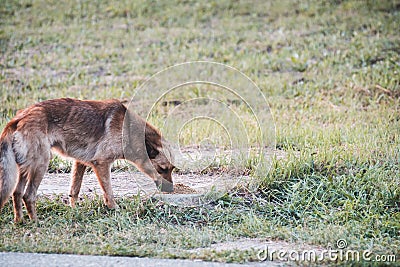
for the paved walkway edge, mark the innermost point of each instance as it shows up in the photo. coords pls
(17, 259)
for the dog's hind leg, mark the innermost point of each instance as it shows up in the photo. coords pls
(78, 170)
(17, 196)
(37, 166)
(35, 177)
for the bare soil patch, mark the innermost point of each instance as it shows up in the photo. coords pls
(259, 244)
(190, 188)
(183, 189)
(133, 183)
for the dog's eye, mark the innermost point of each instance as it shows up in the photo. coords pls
(163, 170)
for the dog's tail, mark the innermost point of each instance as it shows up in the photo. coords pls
(8, 166)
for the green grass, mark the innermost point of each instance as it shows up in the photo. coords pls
(329, 69)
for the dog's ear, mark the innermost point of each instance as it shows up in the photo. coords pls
(152, 141)
(152, 151)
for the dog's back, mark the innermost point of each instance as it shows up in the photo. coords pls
(79, 130)
(73, 128)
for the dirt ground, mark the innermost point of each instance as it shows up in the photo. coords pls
(191, 188)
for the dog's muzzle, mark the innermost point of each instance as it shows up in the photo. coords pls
(165, 186)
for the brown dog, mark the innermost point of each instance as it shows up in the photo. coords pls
(93, 133)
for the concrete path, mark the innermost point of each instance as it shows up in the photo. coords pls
(12, 259)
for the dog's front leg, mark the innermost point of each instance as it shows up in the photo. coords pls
(103, 173)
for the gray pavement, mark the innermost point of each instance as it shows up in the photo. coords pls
(11, 259)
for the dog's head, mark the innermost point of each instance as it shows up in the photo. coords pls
(160, 155)
(156, 149)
